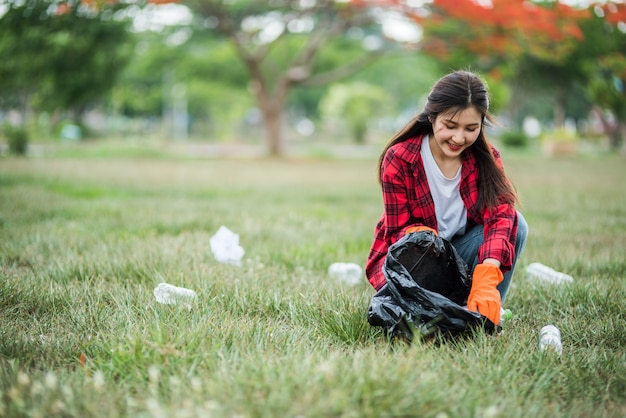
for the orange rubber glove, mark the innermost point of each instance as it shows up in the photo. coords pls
(419, 228)
(484, 297)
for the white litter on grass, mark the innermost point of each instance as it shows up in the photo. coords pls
(225, 246)
(542, 273)
(346, 273)
(169, 294)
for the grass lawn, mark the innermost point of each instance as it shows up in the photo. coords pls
(84, 241)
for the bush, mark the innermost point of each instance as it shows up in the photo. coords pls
(560, 135)
(17, 139)
(559, 143)
(517, 139)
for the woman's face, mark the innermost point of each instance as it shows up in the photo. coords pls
(454, 132)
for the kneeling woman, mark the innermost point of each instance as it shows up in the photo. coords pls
(441, 174)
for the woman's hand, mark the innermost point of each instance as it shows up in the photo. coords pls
(484, 297)
(419, 228)
(492, 261)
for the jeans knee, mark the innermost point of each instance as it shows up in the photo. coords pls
(522, 231)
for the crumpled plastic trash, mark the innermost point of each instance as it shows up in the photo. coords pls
(346, 273)
(426, 290)
(169, 294)
(225, 246)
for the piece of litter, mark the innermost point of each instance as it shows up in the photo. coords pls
(171, 295)
(225, 246)
(543, 273)
(347, 273)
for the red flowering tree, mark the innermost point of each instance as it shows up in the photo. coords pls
(488, 34)
(530, 44)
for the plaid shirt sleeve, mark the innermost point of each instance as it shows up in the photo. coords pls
(500, 223)
(407, 202)
(500, 234)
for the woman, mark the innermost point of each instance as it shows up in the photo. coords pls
(440, 174)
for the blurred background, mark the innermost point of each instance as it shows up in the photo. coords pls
(280, 75)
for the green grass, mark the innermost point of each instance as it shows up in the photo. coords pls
(84, 241)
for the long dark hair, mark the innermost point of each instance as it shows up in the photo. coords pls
(455, 92)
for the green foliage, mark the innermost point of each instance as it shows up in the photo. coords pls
(559, 135)
(82, 248)
(608, 91)
(213, 78)
(514, 139)
(23, 51)
(17, 139)
(62, 61)
(606, 88)
(407, 77)
(499, 94)
(355, 103)
(287, 44)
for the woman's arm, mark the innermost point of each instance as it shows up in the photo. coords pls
(400, 184)
(500, 226)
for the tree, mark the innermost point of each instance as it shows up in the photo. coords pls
(91, 50)
(607, 89)
(60, 55)
(515, 40)
(591, 72)
(494, 35)
(24, 53)
(355, 104)
(570, 56)
(281, 46)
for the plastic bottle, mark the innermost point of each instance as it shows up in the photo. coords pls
(550, 339)
(348, 273)
(171, 295)
(540, 272)
(505, 316)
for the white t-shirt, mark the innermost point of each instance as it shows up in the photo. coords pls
(449, 208)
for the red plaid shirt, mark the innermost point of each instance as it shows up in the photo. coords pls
(408, 202)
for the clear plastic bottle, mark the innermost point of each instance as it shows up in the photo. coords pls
(505, 316)
(550, 339)
(540, 272)
(348, 273)
(171, 295)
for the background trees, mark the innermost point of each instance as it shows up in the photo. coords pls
(282, 45)
(355, 103)
(607, 92)
(230, 62)
(204, 73)
(546, 52)
(59, 56)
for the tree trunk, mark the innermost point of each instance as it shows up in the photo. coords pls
(272, 104)
(272, 116)
(559, 108)
(616, 132)
(26, 110)
(616, 137)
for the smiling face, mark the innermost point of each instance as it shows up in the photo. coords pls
(454, 132)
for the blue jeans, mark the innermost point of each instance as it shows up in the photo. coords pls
(467, 246)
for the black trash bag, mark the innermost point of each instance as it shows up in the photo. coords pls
(426, 291)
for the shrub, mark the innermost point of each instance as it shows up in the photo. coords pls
(517, 139)
(560, 135)
(17, 139)
(559, 143)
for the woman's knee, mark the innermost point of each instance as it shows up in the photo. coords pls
(522, 231)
